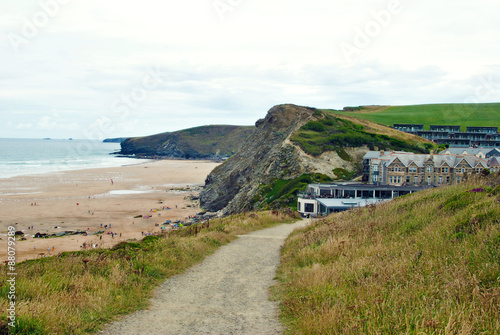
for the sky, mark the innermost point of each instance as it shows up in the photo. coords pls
(98, 69)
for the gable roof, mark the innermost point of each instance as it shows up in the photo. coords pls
(494, 161)
(439, 160)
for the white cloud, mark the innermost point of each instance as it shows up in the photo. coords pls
(91, 53)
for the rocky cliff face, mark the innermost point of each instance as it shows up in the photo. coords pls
(268, 154)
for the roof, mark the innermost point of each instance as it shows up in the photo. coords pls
(439, 160)
(372, 155)
(367, 187)
(470, 151)
(494, 161)
(347, 203)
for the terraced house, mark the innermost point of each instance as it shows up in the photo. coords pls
(404, 168)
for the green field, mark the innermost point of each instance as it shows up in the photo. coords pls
(477, 115)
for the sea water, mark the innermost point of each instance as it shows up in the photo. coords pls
(34, 156)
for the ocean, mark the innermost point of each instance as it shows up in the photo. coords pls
(34, 156)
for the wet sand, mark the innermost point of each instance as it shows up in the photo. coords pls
(88, 200)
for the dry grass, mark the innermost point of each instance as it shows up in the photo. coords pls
(428, 263)
(77, 292)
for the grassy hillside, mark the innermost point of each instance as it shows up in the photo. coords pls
(331, 133)
(487, 114)
(77, 292)
(222, 140)
(283, 193)
(427, 263)
(209, 139)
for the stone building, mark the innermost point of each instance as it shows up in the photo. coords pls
(404, 168)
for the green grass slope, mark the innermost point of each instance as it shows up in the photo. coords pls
(427, 263)
(485, 114)
(334, 133)
(209, 139)
(198, 142)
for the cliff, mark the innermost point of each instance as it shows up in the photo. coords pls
(114, 140)
(290, 142)
(206, 142)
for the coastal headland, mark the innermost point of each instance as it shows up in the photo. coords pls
(105, 200)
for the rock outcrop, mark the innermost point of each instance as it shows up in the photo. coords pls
(268, 155)
(206, 142)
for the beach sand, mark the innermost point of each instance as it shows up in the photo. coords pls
(86, 199)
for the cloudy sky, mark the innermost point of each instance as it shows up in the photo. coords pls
(109, 68)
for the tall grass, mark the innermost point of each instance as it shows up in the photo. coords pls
(76, 292)
(428, 263)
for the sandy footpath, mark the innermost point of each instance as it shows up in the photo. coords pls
(87, 199)
(226, 294)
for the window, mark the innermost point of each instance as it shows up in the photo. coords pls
(445, 170)
(429, 168)
(429, 180)
(416, 179)
(374, 168)
(391, 180)
(440, 179)
(375, 178)
(413, 169)
(458, 179)
(309, 208)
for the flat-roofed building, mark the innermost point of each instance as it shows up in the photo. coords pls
(336, 197)
(484, 130)
(408, 128)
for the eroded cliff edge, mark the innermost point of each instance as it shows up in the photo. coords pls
(266, 156)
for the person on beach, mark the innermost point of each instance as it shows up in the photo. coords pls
(112, 182)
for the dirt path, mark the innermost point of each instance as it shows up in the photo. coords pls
(226, 294)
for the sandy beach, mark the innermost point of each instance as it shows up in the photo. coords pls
(89, 200)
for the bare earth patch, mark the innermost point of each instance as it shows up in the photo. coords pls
(226, 294)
